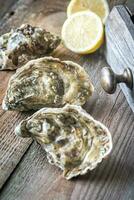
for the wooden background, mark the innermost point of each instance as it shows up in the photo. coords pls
(25, 173)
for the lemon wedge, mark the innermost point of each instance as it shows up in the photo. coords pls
(83, 32)
(100, 7)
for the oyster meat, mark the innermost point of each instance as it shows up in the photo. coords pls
(47, 82)
(23, 44)
(73, 140)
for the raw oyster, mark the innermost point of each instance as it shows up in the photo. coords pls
(73, 140)
(47, 82)
(23, 44)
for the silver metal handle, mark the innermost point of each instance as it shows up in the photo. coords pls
(109, 79)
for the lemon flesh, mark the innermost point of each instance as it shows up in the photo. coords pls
(83, 32)
(100, 7)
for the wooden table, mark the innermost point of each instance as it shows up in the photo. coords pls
(25, 173)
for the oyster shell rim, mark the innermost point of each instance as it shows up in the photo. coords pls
(48, 36)
(82, 112)
(32, 62)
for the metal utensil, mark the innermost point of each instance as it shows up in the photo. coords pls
(109, 79)
(119, 51)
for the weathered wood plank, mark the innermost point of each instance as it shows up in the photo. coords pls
(116, 2)
(31, 11)
(11, 147)
(34, 178)
(120, 45)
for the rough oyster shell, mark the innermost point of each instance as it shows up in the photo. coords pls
(23, 44)
(73, 140)
(47, 82)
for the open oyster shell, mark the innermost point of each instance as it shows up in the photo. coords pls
(47, 82)
(23, 44)
(73, 140)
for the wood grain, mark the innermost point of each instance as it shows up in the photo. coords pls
(11, 147)
(35, 179)
(120, 45)
(116, 2)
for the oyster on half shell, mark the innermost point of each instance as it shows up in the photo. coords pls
(47, 82)
(23, 44)
(73, 140)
